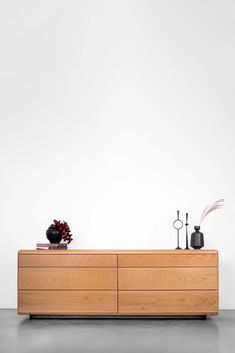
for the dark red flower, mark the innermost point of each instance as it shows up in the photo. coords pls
(64, 230)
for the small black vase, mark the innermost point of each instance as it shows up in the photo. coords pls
(53, 235)
(197, 238)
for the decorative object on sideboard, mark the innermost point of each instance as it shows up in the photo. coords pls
(186, 235)
(51, 246)
(58, 231)
(178, 224)
(53, 235)
(197, 237)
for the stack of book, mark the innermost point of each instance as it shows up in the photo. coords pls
(49, 246)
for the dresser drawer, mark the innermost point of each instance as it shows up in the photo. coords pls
(67, 302)
(167, 278)
(68, 278)
(168, 302)
(168, 260)
(67, 260)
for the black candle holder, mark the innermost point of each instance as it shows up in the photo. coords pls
(178, 224)
(186, 225)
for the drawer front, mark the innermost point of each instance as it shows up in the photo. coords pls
(67, 260)
(168, 302)
(67, 302)
(68, 278)
(168, 260)
(167, 278)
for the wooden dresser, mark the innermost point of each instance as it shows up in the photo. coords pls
(118, 282)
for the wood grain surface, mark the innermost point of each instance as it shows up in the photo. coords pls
(68, 278)
(117, 252)
(168, 260)
(167, 278)
(67, 302)
(67, 260)
(168, 302)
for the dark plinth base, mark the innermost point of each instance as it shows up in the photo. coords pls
(162, 317)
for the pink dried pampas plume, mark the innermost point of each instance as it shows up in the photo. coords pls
(217, 204)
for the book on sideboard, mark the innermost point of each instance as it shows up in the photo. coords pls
(49, 246)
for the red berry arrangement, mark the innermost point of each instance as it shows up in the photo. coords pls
(64, 230)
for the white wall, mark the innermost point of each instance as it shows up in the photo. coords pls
(113, 115)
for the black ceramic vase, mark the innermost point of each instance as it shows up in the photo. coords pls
(197, 238)
(53, 235)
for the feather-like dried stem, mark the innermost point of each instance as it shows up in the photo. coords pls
(203, 213)
(216, 205)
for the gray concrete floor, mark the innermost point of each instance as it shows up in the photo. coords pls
(19, 334)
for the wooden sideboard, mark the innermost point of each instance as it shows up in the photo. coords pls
(118, 282)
